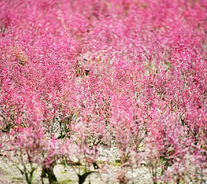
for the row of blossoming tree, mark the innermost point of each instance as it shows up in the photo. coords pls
(130, 74)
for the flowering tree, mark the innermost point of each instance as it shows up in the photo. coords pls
(84, 75)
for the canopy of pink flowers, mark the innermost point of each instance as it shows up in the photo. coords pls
(131, 72)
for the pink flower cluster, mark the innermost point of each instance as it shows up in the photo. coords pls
(130, 74)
